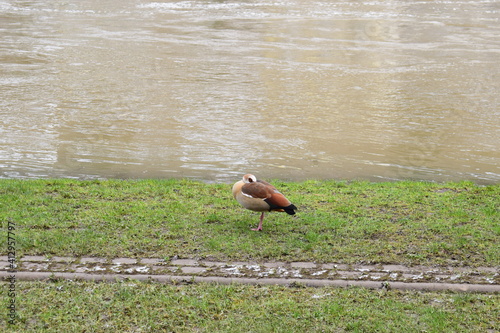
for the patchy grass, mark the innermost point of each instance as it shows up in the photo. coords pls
(72, 306)
(348, 222)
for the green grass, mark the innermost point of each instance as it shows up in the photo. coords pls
(348, 222)
(73, 306)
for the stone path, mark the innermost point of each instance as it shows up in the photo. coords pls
(480, 279)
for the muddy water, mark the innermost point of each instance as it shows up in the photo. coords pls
(378, 90)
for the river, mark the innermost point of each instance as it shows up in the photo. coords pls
(210, 90)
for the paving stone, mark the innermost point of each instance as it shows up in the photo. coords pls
(349, 274)
(333, 266)
(395, 268)
(192, 270)
(124, 261)
(406, 276)
(213, 263)
(343, 267)
(440, 277)
(376, 275)
(159, 269)
(365, 268)
(239, 263)
(303, 264)
(85, 260)
(81, 269)
(318, 273)
(116, 268)
(62, 259)
(423, 269)
(97, 268)
(184, 262)
(151, 261)
(34, 258)
(138, 269)
(59, 267)
(35, 266)
(488, 269)
(274, 264)
(459, 269)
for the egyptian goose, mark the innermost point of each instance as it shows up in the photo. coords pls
(260, 196)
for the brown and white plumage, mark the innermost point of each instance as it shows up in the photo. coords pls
(260, 196)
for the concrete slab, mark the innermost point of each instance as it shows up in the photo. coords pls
(302, 264)
(275, 264)
(35, 266)
(85, 260)
(124, 261)
(164, 269)
(62, 259)
(192, 270)
(151, 261)
(395, 268)
(212, 263)
(462, 287)
(34, 258)
(4, 265)
(184, 262)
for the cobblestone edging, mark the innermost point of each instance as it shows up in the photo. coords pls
(309, 273)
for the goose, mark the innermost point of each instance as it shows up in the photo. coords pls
(260, 196)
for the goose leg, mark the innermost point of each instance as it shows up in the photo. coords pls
(259, 228)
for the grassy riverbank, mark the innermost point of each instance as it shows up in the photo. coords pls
(72, 306)
(347, 222)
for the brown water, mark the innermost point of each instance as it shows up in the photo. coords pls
(377, 90)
